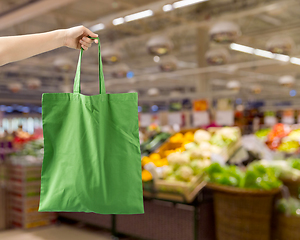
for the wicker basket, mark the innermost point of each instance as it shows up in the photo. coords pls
(288, 227)
(293, 186)
(242, 214)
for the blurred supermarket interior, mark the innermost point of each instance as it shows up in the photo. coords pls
(218, 83)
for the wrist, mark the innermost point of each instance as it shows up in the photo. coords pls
(62, 37)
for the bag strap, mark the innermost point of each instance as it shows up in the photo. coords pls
(76, 88)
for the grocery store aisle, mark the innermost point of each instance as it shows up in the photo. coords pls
(52, 233)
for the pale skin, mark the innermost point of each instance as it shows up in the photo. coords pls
(16, 48)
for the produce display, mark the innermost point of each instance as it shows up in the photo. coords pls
(294, 163)
(153, 143)
(22, 138)
(154, 158)
(190, 155)
(255, 176)
(34, 148)
(289, 206)
(280, 138)
(31, 152)
(278, 132)
(225, 136)
(288, 146)
(290, 143)
(283, 169)
(262, 134)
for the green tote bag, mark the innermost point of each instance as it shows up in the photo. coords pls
(92, 160)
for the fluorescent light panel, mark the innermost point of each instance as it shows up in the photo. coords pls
(139, 15)
(242, 48)
(295, 60)
(167, 8)
(118, 21)
(281, 57)
(97, 27)
(185, 3)
(263, 53)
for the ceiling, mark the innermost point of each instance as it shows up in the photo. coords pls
(187, 28)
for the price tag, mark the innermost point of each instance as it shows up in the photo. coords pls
(175, 118)
(288, 120)
(270, 120)
(200, 118)
(288, 116)
(224, 104)
(155, 119)
(145, 119)
(225, 117)
(200, 105)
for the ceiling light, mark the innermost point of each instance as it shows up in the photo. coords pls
(97, 27)
(33, 83)
(281, 57)
(15, 87)
(293, 93)
(154, 108)
(120, 70)
(159, 45)
(287, 80)
(156, 58)
(153, 92)
(184, 3)
(118, 21)
(110, 55)
(233, 85)
(224, 32)
(63, 64)
(263, 53)
(130, 74)
(139, 15)
(217, 56)
(256, 89)
(242, 48)
(280, 44)
(295, 60)
(168, 63)
(167, 8)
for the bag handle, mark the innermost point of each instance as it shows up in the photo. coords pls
(76, 88)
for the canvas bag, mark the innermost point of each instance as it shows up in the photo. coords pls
(92, 160)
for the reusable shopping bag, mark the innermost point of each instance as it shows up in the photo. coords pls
(92, 160)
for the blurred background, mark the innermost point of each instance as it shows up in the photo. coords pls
(219, 113)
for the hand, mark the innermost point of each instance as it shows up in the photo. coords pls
(77, 37)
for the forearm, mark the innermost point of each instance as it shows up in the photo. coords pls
(16, 48)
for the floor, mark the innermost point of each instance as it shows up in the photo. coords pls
(62, 232)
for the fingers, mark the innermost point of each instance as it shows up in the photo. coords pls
(85, 42)
(90, 33)
(84, 47)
